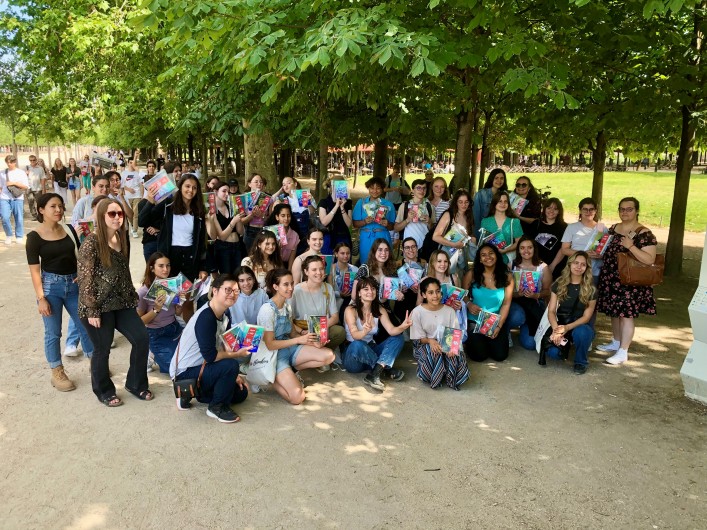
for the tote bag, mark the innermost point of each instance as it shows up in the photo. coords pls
(262, 367)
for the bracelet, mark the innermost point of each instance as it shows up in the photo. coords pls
(41, 298)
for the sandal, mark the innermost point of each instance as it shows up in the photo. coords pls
(112, 401)
(144, 395)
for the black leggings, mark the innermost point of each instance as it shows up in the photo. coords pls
(479, 347)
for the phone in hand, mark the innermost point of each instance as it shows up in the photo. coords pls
(563, 342)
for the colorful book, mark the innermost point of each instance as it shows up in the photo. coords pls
(280, 233)
(599, 242)
(261, 200)
(83, 228)
(346, 281)
(388, 288)
(371, 208)
(517, 202)
(163, 186)
(244, 335)
(451, 294)
(450, 339)
(192, 292)
(340, 188)
(210, 202)
(494, 238)
(158, 289)
(486, 323)
(319, 325)
(410, 275)
(328, 259)
(240, 204)
(456, 234)
(527, 280)
(303, 197)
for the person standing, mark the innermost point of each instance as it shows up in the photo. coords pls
(36, 176)
(59, 178)
(14, 184)
(370, 229)
(482, 200)
(73, 175)
(132, 184)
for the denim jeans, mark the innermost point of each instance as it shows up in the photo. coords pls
(163, 343)
(582, 337)
(16, 209)
(73, 337)
(516, 319)
(218, 382)
(61, 291)
(148, 249)
(363, 356)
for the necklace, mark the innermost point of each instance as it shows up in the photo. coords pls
(314, 305)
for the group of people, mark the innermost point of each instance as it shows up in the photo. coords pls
(278, 281)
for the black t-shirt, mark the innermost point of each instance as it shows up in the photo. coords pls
(59, 174)
(58, 257)
(549, 239)
(567, 310)
(338, 225)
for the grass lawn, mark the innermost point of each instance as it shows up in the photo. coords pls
(653, 190)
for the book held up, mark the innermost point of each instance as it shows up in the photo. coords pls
(244, 335)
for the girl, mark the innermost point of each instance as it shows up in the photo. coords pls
(315, 242)
(528, 306)
(162, 326)
(370, 229)
(363, 353)
(411, 224)
(490, 288)
(59, 179)
(225, 229)
(502, 217)
(282, 214)
(294, 351)
(531, 211)
(433, 365)
(380, 263)
(264, 256)
(300, 214)
(577, 235)
(459, 213)
(73, 173)
(548, 232)
(336, 215)
(107, 301)
(572, 305)
(439, 196)
(341, 265)
(255, 220)
(482, 200)
(85, 166)
(250, 299)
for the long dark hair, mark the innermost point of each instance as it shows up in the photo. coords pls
(43, 200)
(368, 281)
(560, 210)
(535, 260)
(468, 215)
(492, 175)
(510, 212)
(389, 268)
(424, 284)
(102, 233)
(272, 220)
(259, 258)
(149, 275)
(500, 271)
(196, 206)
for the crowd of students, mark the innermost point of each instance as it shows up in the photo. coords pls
(276, 282)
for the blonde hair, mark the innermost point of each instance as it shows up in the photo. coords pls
(102, 232)
(586, 285)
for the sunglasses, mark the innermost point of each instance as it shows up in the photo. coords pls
(522, 185)
(113, 214)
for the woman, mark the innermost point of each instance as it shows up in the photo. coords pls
(85, 166)
(264, 256)
(363, 353)
(342, 276)
(212, 184)
(73, 174)
(162, 326)
(528, 303)
(59, 179)
(411, 294)
(295, 351)
(370, 229)
(255, 220)
(530, 212)
(336, 215)
(250, 298)
(315, 242)
(439, 268)
(439, 196)
(621, 302)
(225, 230)
(282, 215)
(315, 297)
(572, 305)
(503, 219)
(495, 182)
(490, 288)
(51, 256)
(460, 215)
(548, 232)
(300, 214)
(379, 265)
(415, 217)
(107, 302)
(577, 235)
(433, 364)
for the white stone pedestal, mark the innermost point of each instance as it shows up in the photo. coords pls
(694, 369)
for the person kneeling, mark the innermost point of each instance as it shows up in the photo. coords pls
(198, 355)
(362, 320)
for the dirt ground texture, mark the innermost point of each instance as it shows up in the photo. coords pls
(519, 446)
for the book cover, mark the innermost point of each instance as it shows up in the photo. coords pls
(191, 292)
(517, 202)
(494, 238)
(486, 323)
(341, 189)
(451, 294)
(527, 281)
(371, 208)
(303, 197)
(319, 325)
(279, 231)
(388, 288)
(346, 281)
(244, 335)
(410, 276)
(450, 339)
(328, 259)
(83, 228)
(158, 289)
(210, 202)
(240, 204)
(599, 242)
(261, 200)
(415, 209)
(163, 186)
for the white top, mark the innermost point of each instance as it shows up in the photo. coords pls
(248, 305)
(260, 274)
(415, 229)
(578, 235)
(359, 327)
(306, 304)
(424, 322)
(15, 175)
(132, 179)
(266, 316)
(183, 230)
(35, 175)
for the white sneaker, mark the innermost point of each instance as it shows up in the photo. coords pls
(8, 241)
(619, 357)
(254, 389)
(135, 234)
(20, 240)
(71, 351)
(323, 369)
(609, 346)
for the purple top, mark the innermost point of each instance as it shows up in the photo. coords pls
(163, 319)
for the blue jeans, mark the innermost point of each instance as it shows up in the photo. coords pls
(363, 356)
(163, 344)
(61, 292)
(582, 337)
(218, 382)
(16, 209)
(148, 249)
(73, 337)
(516, 319)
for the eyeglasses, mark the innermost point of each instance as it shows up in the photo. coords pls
(229, 291)
(410, 247)
(115, 213)
(521, 185)
(589, 210)
(627, 210)
(420, 188)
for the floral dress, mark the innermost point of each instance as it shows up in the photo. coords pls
(615, 299)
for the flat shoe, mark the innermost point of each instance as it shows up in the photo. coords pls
(112, 401)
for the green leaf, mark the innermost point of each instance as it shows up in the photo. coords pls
(431, 68)
(417, 67)
(433, 4)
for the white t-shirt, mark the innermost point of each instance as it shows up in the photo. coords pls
(35, 176)
(183, 230)
(14, 175)
(266, 316)
(424, 322)
(131, 179)
(578, 236)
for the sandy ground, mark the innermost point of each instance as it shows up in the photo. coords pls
(519, 447)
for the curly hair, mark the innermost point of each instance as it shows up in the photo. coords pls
(388, 268)
(586, 285)
(258, 257)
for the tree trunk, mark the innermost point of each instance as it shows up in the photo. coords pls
(204, 162)
(237, 160)
(212, 156)
(323, 164)
(380, 160)
(36, 143)
(226, 162)
(258, 155)
(462, 150)
(599, 155)
(474, 150)
(284, 168)
(355, 166)
(190, 144)
(485, 153)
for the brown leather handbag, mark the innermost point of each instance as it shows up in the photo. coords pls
(633, 272)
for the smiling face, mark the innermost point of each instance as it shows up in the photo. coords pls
(375, 191)
(246, 283)
(551, 212)
(268, 246)
(54, 210)
(285, 286)
(284, 217)
(161, 268)
(420, 191)
(487, 257)
(115, 184)
(438, 188)
(498, 181)
(288, 185)
(410, 250)
(367, 293)
(315, 271)
(222, 193)
(177, 173)
(226, 294)
(256, 183)
(522, 187)
(526, 250)
(315, 241)
(441, 264)
(189, 189)
(587, 212)
(343, 255)
(502, 204)
(382, 253)
(578, 266)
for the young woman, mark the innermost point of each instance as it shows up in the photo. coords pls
(502, 217)
(459, 213)
(363, 353)
(370, 229)
(439, 196)
(295, 351)
(315, 296)
(624, 303)
(264, 256)
(225, 229)
(411, 224)
(300, 214)
(572, 305)
(528, 306)
(336, 215)
(495, 182)
(73, 174)
(531, 211)
(85, 166)
(162, 326)
(490, 288)
(315, 242)
(59, 179)
(380, 264)
(255, 220)
(438, 267)
(107, 301)
(51, 256)
(547, 232)
(577, 235)
(250, 298)
(341, 266)
(433, 365)
(212, 184)
(411, 295)
(282, 215)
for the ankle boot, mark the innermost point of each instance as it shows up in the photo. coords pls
(60, 380)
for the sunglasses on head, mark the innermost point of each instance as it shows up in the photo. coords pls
(113, 214)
